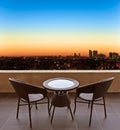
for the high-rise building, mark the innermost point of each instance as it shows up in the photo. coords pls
(90, 53)
(110, 55)
(75, 54)
(95, 53)
(113, 55)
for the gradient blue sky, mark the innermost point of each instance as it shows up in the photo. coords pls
(60, 16)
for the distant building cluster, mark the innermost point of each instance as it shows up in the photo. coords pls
(94, 61)
(95, 54)
(114, 55)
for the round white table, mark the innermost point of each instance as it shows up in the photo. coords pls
(60, 86)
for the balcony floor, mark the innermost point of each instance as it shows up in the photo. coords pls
(62, 119)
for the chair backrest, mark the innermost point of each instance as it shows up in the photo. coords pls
(102, 87)
(20, 88)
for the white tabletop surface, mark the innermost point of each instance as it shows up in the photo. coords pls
(60, 83)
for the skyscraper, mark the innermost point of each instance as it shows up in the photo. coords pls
(95, 53)
(90, 53)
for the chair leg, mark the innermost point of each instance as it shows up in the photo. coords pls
(48, 106)
(36, 105)
(75, 105)
(18, 107)
(71, 112)
(91, 113)
(104, 107)
(29, 109)
(52, 114)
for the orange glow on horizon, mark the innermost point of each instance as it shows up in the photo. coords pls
(43, 44)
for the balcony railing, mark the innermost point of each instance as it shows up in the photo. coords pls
(37, 77)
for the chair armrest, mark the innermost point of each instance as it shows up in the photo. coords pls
(89, 88)
(32, 89)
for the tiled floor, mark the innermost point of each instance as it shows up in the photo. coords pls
(62, 119)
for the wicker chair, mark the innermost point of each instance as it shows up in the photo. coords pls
(92, 93)
(29, 95)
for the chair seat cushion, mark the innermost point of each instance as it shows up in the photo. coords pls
(35, 97)
(86, 96)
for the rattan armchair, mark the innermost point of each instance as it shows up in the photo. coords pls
(92, 93)
(29, 95)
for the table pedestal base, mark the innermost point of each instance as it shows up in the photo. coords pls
(60, 99)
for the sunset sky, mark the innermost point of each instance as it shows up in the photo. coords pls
(59, 27)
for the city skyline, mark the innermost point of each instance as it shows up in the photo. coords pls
(91, 54)
(59, 27)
